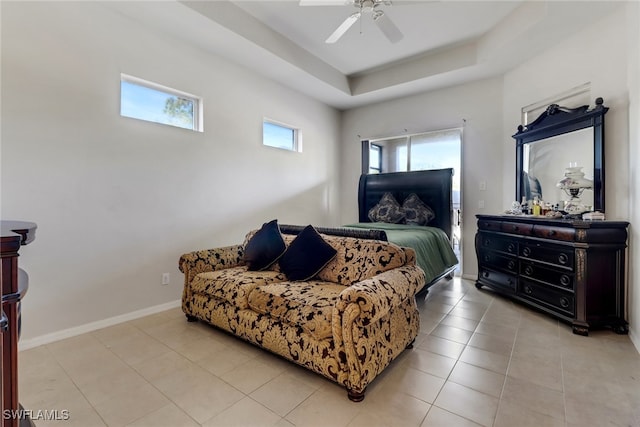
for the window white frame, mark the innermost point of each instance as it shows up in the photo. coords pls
(197, 102)
(296, 136)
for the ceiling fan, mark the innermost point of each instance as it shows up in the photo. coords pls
(365, 7)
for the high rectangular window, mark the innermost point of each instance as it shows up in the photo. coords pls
(279, 135)
(145, 100)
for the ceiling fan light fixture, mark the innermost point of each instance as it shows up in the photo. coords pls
(367, 6)
(388, 28)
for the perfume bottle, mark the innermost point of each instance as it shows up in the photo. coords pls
(537, 210)
(524, 206)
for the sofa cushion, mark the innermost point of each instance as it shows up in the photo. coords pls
(265, 247)
(308, 305)
(233, 284)
(360, 259)
(307, 254)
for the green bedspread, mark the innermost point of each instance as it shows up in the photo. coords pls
(433, 249)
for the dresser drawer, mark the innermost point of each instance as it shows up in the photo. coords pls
(496, 278)
(559, 301)
(555, 233)
(494, 242)
(517, 228)
(553, 254)
(551, 276)
(498, 261)
(490, 225)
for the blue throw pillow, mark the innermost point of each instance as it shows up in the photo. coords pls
(307, 254)
(265, 247)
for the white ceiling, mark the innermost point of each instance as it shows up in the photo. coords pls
(445, 42)
(364, 46)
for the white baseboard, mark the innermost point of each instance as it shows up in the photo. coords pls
(473, 277)
(89, 327)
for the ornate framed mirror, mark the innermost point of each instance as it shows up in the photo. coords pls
(560, 156)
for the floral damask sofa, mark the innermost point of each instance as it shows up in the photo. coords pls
(346, 321)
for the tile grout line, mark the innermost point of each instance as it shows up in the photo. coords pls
(138, 373)
(506, 374)
(455, 364)
(76, 384)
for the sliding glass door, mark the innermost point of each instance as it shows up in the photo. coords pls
(423, 151)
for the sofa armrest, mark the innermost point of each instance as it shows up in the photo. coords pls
(366, 345)
(376, 296)
(194, 263)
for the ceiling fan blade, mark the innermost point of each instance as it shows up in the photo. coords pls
(325, 2)
(387, 26)
(343, 28)
(405, 2)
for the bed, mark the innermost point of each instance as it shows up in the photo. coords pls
(433, 243)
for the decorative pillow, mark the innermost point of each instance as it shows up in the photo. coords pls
(416, 211)
(265, 247)
(306, 255)
(387, 210)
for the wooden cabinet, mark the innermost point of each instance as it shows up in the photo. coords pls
(571, 269)
(14, 283)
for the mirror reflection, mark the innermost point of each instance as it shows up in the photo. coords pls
(545, 162)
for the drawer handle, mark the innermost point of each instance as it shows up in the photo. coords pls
(528, 271)
(511, 247)
(526, 251)
(563, 259)
(564, 302)
(516, 228)
(509, 281)
(485, 274)
(565, 280)
(487, 258)
(552, 232)
(511, 265)
(528, 290)
(487, 242)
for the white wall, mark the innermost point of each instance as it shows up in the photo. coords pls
(633, 76)
(471, 106)
(117, 200)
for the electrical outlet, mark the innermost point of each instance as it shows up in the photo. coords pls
(165, 278)
(481, 204)
(483, 185)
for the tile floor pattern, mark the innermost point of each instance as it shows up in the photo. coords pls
(480, 360)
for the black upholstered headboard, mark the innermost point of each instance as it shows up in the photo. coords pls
(432, 186)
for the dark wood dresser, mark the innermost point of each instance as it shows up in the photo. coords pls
(14, 283)
(571, 269)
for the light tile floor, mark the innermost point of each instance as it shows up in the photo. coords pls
(479, 360)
